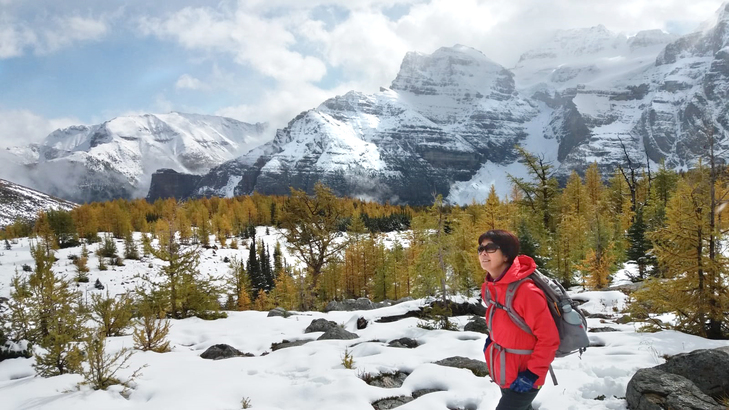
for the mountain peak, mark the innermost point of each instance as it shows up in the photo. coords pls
(453, 71)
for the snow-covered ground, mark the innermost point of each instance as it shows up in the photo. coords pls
(312, 376)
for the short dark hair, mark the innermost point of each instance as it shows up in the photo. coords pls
(507, 241)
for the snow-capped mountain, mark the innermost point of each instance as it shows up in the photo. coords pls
(116, 158)
(443, 116)
(450, 120)
(17, 201)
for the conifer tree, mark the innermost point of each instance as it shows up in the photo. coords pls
(284, 291)
(310, 227)
(130, 247)
(262, 303)
(61, 222)
(186, 292)
(640, 246)
(253, 267)
(54, 320)
(113, 315)
(151, 330)
(102, 367)
(239, 284)
(696, 290)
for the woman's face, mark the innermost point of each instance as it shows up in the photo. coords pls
(491, 258)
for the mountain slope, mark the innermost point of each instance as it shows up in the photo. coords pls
(17, 201)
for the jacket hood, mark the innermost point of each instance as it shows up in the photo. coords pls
(522, 267)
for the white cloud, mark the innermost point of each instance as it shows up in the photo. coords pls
(264, 44)
(22, 127)
(187, 81)
(47, 36)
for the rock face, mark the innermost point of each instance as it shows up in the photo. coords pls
(116, 159)
(694, 380)
(168, 183)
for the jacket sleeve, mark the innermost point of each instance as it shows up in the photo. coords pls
(531, 304)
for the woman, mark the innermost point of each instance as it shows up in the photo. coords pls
(518, 361)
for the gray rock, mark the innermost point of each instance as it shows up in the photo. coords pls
(391, 402)
(223, 351)
(599, 316)
(708, 369)
(363, 304)
(337, 333)
(388, 380)
(285, 343)
(653, 389)
(361, 323)
(603, 329)
(476, 324)
(320, 325)
(279, 311)
(404, 342)
(423, 392)
(478, 367)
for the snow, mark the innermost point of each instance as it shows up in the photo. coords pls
(312, 376)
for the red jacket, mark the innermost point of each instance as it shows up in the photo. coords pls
(531, 304)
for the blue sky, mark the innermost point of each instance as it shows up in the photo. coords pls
(87, 61)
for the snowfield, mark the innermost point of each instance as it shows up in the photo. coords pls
(312, 376)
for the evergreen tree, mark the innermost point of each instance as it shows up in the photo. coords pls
(61, 222)
(640, 246)
(239, 285)
(253, 267)
(277, 260)
(130, 247)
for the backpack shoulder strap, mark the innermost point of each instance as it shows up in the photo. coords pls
(509, 303)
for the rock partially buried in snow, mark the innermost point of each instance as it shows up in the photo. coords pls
(285, 343)
(391, 402)
(652, 389)
(476, 324)
(279, 311)
(337, 333)
(477, 367)
(386, 380)
(708, 369)
(404, 342)
(320, 325)
(223, 351)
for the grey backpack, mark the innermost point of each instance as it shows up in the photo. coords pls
(571, 323)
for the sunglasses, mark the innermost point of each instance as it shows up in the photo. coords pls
(488, 248)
